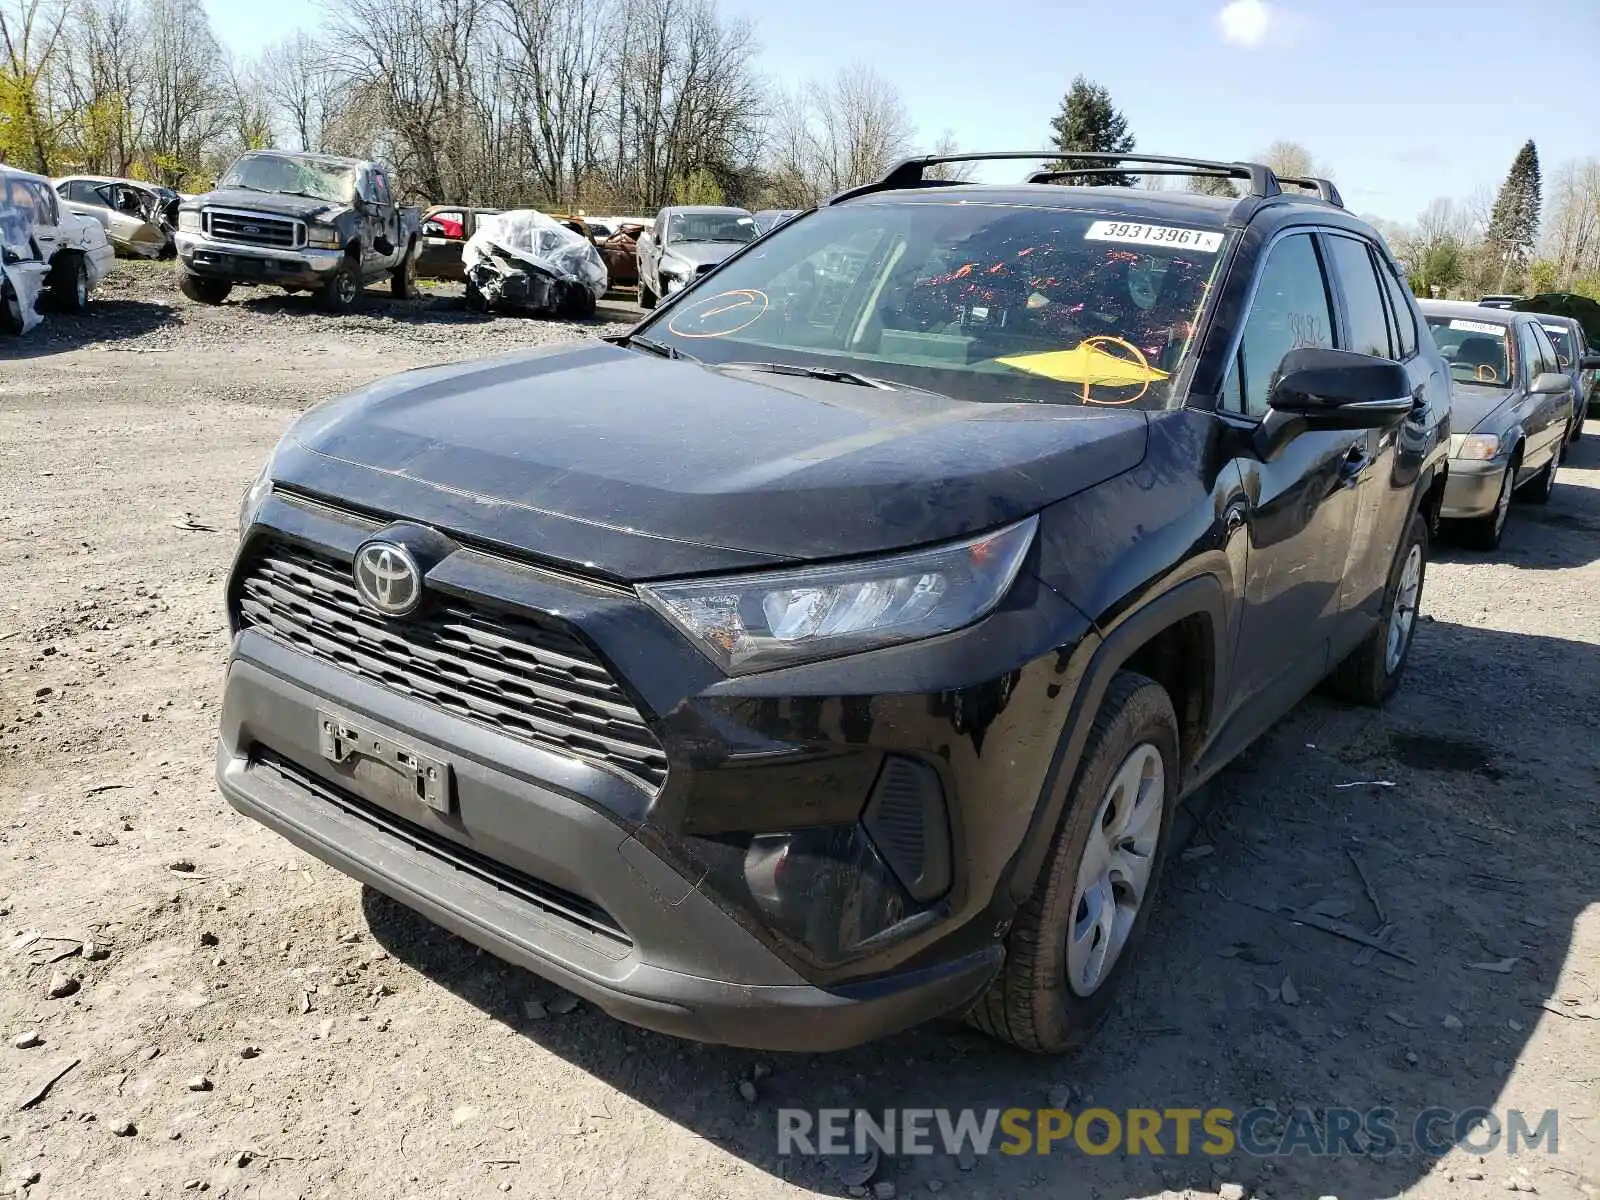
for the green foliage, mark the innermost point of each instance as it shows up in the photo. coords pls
(1089, 121)
(1542, 276)
(26, 141)
(698, 187)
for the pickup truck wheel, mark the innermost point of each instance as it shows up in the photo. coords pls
(202, 290)
(403, 279)
(1373, 670)
(1073, 940)
(343, 289)
(647, 298)
(69, 283)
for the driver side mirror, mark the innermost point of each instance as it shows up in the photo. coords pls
(358, 201)
(1550, 383)
(1332, 389)
(1589, 362)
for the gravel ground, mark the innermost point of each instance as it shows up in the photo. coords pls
(245, 1021)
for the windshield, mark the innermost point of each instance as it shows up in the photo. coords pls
(1475, 350)
(292, 176)
(711, 227)
(984, 302)
(1562, 337)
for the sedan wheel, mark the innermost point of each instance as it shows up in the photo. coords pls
(1114, 871)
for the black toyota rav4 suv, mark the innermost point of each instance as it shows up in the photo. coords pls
(833, 651)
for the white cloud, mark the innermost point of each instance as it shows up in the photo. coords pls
(1248, 22)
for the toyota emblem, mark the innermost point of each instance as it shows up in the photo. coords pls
(387, 578)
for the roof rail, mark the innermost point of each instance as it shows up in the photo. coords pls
(1323, 187)
(910, 172)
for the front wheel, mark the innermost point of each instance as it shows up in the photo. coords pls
(10, 310)
(69, 283)
(202, 290)
(1074, 939)
(1373, 670)
(1538, 492)
(343, 289)
(1485, 532)
(403, 279)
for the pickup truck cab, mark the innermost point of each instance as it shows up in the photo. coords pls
(302, 222)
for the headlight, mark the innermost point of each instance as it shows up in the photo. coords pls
(188, 220)
(254, 498)
(1479, 446)
(748, 623)
(323, 237)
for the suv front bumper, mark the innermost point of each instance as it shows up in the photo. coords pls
(306, 267)
(685, 967)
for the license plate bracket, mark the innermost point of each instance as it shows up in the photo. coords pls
(347, 743)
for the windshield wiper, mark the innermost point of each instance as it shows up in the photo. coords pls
(307, 195)
(655, 347)
(831, 374)
(242, 187)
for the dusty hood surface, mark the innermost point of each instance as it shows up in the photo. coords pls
(637, 467)
(701, 254)
(1473, 406)
(273, 203)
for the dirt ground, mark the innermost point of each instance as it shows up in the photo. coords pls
(268, 1030)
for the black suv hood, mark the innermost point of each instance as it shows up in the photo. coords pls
(638, 467)
(305, 207)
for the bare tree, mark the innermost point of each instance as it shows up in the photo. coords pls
(837, 135)
(103, 79)
(959, 172)
(185, 90)
(299, 78)
(1572, 226)
(1289, 159)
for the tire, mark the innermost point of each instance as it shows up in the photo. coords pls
(10, 311)
(1485, 532)
(202, 290)
(1374, 669)
(1537, 491)
(1032, 1003)
(342, 292)
(647, 298)
(69, 283)
(476, 301)
(403, 279)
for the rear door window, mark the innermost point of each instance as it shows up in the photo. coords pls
(1368, 324)
(1405, 316)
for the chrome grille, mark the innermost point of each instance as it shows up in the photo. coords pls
(254, 229)
(528, 678)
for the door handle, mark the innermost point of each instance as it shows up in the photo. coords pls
(1355, 461)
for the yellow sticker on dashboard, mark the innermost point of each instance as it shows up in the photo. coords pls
(1093, 364)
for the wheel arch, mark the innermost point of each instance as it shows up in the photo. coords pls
(1178, 638)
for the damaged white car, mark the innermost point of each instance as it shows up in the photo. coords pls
(526, 261)
(45, 253)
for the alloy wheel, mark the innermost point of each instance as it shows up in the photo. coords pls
(1403, 616)
(1114, 872)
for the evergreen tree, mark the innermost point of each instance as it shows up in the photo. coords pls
(1514, 222)
(1089, 121)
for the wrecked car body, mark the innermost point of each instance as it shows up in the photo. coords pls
(140, 219)
(525, 261)
(47, 251)
(23, 272)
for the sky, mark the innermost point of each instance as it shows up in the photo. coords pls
(1400, 100)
